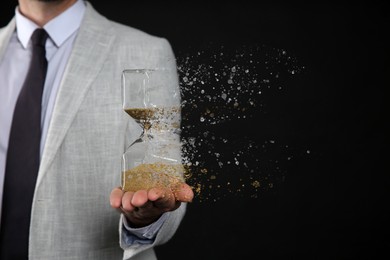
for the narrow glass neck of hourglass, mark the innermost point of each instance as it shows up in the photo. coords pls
(146, 130)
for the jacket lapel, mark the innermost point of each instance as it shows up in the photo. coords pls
(90, 50)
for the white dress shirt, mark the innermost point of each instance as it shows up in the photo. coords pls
(62, 32)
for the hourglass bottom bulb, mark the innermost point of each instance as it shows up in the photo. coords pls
(146, 176)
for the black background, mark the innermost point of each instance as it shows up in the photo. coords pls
(331, 203)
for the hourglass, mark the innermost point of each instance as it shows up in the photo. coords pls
(152, 99)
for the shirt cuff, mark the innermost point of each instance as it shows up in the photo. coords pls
(148, 232)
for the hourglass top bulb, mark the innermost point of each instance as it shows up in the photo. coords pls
(159, 117)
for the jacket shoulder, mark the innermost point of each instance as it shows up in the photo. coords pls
(127, 33)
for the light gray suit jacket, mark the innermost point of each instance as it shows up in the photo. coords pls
(88, 133)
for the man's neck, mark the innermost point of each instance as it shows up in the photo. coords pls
(41, 12)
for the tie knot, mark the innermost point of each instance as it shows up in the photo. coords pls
(39, 37)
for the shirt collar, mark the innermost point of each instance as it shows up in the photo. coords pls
(59, 28)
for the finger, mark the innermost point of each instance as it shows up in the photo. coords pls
(126, 201)
(183, 192)
(159, 193)
(139, 198)
(116, 198)
(162, 198)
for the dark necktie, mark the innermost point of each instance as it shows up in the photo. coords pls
(23, 156)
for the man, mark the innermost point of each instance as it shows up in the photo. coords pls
(84, 132)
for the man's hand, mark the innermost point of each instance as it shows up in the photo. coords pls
(143, 207)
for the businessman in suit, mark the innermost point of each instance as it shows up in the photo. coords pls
(70, 208)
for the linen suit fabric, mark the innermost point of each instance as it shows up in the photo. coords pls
(71, 216)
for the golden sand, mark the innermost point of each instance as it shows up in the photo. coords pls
(146, 176)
